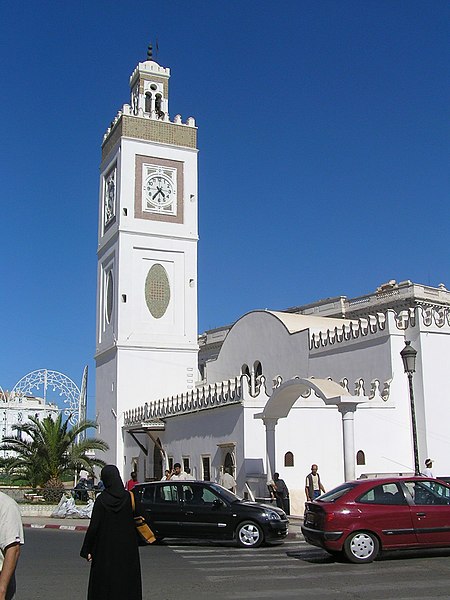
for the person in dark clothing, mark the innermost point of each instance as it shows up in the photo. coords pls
(281, 493)
(111, 543)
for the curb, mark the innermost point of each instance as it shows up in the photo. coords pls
(54, 526)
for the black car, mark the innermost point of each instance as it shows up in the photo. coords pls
(201, 509)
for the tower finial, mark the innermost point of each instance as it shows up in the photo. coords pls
(150, 52)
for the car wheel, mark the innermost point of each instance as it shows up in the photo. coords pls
(361, 547)
(249, 535)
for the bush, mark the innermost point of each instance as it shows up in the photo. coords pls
(53, 491)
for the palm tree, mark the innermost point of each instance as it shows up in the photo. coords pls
(44, 451)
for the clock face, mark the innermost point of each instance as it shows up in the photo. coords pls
(159, 190)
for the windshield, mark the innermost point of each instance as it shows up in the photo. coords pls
(335, 493)
(226, 494)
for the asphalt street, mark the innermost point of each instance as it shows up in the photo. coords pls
(50, 568)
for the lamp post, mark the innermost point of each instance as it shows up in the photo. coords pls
(408, 355)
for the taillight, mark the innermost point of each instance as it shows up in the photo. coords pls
(330, 517)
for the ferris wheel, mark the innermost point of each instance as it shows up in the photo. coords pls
(55, 381)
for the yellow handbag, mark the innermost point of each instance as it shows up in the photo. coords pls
(144, 531)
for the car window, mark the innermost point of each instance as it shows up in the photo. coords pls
(336, 493)
(147, 494)
(166, 494)
(223, 494)
(386, 493)
(199, 495)
(428, 492)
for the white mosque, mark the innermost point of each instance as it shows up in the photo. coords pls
(275, 391)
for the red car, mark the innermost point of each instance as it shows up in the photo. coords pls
(360, 518)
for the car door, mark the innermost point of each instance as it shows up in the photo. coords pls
(386, 512)
(205, 513)
(430, 500)
(162, 508)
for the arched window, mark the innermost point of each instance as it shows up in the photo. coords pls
(288, 459)
(148, 102)
(245, 371)
(158, 106)
(360, 458)
(257, 367)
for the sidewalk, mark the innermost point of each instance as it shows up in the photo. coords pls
(82, 524)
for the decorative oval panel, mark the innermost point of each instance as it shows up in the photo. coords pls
(157, 291)
(109, 296)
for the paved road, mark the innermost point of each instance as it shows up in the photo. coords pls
(51, 569)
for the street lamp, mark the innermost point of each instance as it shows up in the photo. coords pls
(408, 355)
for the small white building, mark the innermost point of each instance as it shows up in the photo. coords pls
(277, 390)
(15, 409)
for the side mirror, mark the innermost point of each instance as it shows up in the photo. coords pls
(217, 504)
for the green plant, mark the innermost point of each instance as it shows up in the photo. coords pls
(49, 450)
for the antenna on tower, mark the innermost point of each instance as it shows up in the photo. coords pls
(150, 51)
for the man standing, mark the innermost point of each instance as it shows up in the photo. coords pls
(178, 473)
(132, 482)
(427, 472)
(227, 480)
(11, 537)
(313, 485)
(281, 493)
(189, 475)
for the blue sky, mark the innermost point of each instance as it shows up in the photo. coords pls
(323, 166)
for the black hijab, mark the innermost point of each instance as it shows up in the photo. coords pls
(114, 496)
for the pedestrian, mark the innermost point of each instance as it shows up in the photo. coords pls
(227, 480)
(11, 538)
(188, 474)
(427, 472)
(132, 481)
(178, 473)
(111, 543)
(272, 490)
(281, 493)
(166, 476)
(313, 485)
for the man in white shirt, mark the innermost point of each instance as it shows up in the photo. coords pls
(177, 474)
(227, 480)
(427, 472)
(313, 485)
(11, 538)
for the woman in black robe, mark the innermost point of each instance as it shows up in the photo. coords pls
(111, 543)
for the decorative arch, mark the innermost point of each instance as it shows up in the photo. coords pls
(58, 381)
(332, 393)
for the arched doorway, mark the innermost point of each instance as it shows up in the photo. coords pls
(229, 462)
(157, 461)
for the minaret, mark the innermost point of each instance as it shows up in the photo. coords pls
(146, 345)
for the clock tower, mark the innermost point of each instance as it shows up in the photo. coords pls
(146, 343)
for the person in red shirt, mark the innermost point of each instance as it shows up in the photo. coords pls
(131, 482)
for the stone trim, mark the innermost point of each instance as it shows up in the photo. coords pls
(139, 213)
(152, 130)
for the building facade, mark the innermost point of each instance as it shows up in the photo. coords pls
(277, 390)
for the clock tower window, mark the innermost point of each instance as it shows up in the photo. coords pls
(148, 102)
(158, 106)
